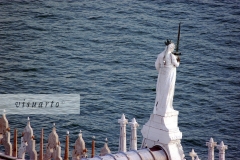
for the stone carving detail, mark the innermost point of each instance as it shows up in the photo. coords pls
(27, 143)
(79, 148)
(53, 150)
(5, 135)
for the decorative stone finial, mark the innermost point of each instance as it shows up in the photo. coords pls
(5, 134)
(53, 150)
(134, 123)
(222, 149)
(80, 133)
(54, 128)
(123, 117)
(123, 120)
(134, 120)
(27, 143)
(105, 150)
(133, 140)
(192, 154)
(122, 139)
(93, 137)
(211, 144)
(4, 111)
(67, 132)
(28, 122)
(79, 148)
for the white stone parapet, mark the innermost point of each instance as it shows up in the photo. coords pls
(122, 138)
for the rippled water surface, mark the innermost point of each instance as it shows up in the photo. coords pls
(105, 51)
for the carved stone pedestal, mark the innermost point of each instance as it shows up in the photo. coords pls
(163, 130)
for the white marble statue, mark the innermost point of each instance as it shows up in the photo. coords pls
(165, 64)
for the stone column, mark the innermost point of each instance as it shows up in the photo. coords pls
(122, 139)
(133, 140)
(222, 149)
(211, 144)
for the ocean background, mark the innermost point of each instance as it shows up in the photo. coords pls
(105, 51)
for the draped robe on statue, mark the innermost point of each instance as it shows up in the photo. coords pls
(166, 64)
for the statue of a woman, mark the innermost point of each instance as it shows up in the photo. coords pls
(165, 64)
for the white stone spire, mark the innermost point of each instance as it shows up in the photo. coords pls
(105, 150)
(222, 149)
(133, 140)
(122, 138)
(79, 148)
(211, 144)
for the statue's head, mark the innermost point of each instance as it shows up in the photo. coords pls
(169, 45)
(167, 42)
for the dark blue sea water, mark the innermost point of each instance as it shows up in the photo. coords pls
(105, 51)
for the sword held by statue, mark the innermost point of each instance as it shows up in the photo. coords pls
(176, 52)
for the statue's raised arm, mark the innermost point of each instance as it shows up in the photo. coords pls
(165, 64)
